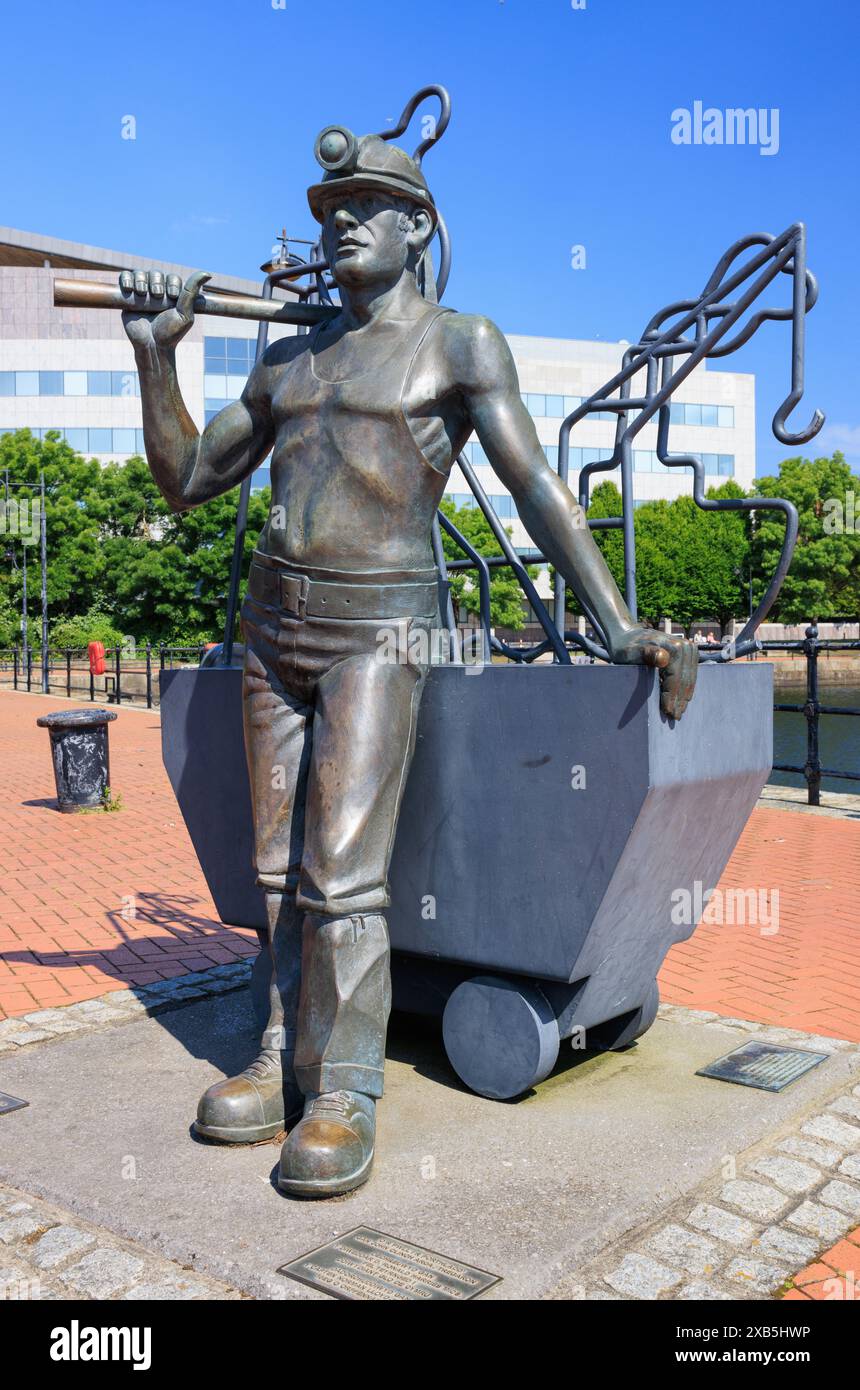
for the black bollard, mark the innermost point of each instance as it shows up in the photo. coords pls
(79, 751)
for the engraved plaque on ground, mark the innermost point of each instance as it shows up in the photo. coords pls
(365, 1264)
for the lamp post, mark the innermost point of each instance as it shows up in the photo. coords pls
(43, 557)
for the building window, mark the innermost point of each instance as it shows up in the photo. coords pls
(99, 384)
(229, 356)
(719, 465)
(719, 416)
(124, 441)
(124, 384)
(53, 383)
(75, 383)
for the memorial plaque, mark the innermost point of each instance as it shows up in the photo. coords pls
(766, 1066)
(9, 1103)
(365, 1265)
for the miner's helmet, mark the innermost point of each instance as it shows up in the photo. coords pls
(354, 163)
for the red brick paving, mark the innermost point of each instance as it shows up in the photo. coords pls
(97, 902)
(834, 1275)
(805, 975)
(91, 903)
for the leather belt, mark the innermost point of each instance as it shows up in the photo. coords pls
(300, 597)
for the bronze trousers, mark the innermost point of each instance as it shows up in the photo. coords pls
(330, 708)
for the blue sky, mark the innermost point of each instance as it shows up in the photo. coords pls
(561, 136)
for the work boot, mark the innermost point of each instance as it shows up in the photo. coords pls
(264, 1099)
(331, 1148)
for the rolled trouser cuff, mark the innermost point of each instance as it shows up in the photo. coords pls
(278, 883)
(366, 903)
(340, 1076)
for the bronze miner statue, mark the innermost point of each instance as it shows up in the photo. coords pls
(364, 416)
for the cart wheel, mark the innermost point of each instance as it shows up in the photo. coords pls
(621, 1032)
(501, 1037)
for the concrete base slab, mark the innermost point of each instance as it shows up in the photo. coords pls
(528, 1190)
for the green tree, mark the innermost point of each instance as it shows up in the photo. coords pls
(506, 596)
(78, 632)
(690, 564)
(824, 578)
(115, 549)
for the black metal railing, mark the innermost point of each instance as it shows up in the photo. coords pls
(127, 678)
(812, 709)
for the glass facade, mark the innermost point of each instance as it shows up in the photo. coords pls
(92, 441)
(226, 364)
(714, 416)
(543, 405)
(69, 384)
(720, 465)
(230, 356)
(501, 503)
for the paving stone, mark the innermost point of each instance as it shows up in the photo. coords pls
(699, 1291)
(686, 1249)
(221, 985)
(170, 986)
(755, 1198)
(846, 1105)
(825, 1222)
(28, 1035)
(776, 1240)
(676, 1013)
(12, 1026)
(828, 1155)
(171, 1287)
(640, 1277)
(789, 1174)
(59, 1244)
(104, 1272)
(90, 1012)
(785, 1037)
(842, 1195)
(762, 1275)
(722, 1224)
(851, 1166)
(19, 1227)
(53, 1021)
(120, 999)
(816, 1042)
(834, 1130)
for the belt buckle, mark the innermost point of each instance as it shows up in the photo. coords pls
(294, 594)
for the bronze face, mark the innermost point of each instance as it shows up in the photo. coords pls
(368, 239)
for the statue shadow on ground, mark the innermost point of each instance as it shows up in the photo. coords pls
(227, 1050)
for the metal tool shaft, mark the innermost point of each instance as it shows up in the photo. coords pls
(93, 294)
